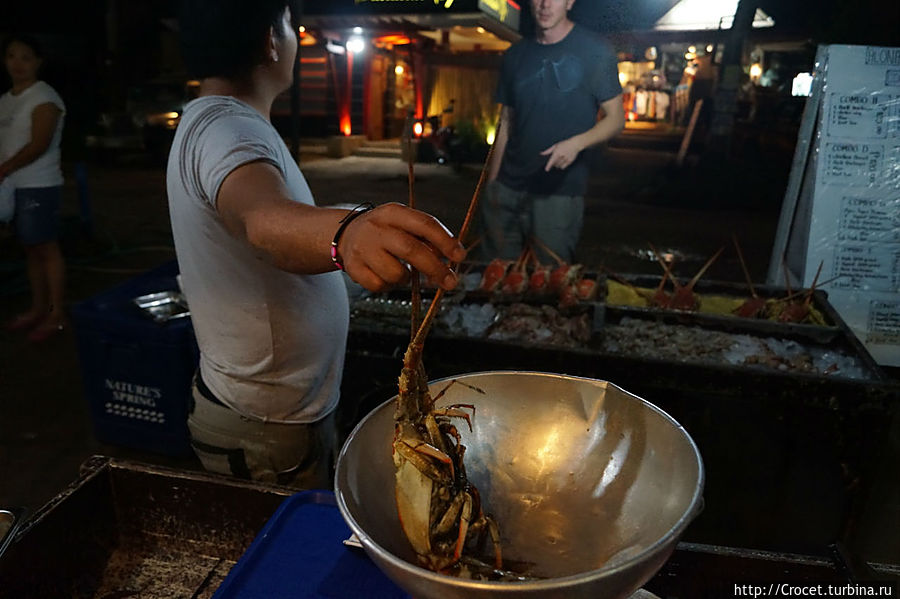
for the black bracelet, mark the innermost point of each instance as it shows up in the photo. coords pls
(348, 218)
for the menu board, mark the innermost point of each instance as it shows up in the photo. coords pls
(854, 196)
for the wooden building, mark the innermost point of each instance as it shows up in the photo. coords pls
(366, 66)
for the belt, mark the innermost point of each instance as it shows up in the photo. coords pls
(206, 393)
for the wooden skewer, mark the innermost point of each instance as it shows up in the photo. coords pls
(663, 263)
(705, 267)
(743, 265)
(553, 254)
(800, 292)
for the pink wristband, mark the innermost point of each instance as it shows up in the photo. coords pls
(348, 218)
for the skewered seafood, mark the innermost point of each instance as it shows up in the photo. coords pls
(755, 306)
(516, 279)
(494, 274)
(792, 310)
(684, 298)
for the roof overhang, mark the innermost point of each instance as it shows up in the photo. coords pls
(703, 15)
(338, 25)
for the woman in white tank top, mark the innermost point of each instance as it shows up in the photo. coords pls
(31, 122)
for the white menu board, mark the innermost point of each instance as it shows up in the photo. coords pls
(854, 218)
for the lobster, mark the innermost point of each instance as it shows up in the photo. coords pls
(440, 510)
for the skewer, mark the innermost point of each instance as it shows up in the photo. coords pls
(740, 254)
(800, 292)
(553, 254)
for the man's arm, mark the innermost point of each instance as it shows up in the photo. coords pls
(255, 206)
(562, 154)
(500, 142)
(43, 126)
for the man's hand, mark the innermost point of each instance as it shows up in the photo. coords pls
(562, 154)
(611, 121)
(378, 247)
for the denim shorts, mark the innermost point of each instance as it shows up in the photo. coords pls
(37, 214)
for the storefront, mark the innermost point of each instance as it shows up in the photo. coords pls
(664, 70)
(367, 66)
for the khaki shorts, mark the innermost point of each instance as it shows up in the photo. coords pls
(296, 455)
(510, 219)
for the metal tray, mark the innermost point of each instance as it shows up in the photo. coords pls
(163, 306)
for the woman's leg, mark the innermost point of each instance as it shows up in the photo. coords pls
(40, 293)
(47, 274)
(37, 226)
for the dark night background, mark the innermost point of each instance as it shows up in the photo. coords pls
(77, 31)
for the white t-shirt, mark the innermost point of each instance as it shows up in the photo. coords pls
(271, 343)
(15, 133)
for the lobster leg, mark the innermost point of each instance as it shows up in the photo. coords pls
(464, 519)
(453, 412)
(414, 452)
(449, 518)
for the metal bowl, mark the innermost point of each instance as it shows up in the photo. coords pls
(590, 483)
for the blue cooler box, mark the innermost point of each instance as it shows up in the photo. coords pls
(136, 371)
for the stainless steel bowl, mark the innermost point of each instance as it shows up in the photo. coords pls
(590, 483)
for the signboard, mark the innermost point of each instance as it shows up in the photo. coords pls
(505, 11)
(393, 7)
(847, 214)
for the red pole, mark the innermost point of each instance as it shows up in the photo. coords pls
(346, 124)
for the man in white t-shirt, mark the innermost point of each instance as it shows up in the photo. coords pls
(31, 124)
(259, 260)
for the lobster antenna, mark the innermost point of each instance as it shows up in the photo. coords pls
(419, 338)
(415, 282)
(476, 196)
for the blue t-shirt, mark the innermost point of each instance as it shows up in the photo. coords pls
(555, 91)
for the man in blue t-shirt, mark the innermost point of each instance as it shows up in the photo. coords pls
(560, 95)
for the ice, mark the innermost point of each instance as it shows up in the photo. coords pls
(471, 320)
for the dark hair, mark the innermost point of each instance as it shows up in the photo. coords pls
(224, 38)
(26, 40)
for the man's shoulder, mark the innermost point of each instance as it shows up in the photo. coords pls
(223, 112)
(590, 38)
(517, 48)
